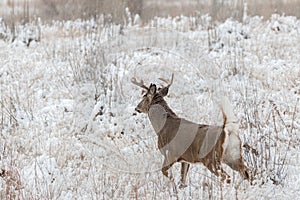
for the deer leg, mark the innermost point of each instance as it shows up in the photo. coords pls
(184, 170)
(217, 170)
(224, 175)
(221, 172)
(239, 166)
(166, 167)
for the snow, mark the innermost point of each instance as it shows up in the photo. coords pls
(68, 125)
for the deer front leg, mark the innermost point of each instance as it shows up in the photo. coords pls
(184, 170)
(166, 167)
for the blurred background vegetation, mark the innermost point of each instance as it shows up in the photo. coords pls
(114, 10)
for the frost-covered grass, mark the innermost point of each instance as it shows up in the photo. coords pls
(68, 127)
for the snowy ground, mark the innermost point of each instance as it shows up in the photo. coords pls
(68, 126)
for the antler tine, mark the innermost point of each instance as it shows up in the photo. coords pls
(169, 82)
(139, 83)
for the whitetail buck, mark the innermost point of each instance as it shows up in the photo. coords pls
(180, 140)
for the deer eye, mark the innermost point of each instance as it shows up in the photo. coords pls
(144, 93)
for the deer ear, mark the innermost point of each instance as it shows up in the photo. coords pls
(164, 91)
(152, 89)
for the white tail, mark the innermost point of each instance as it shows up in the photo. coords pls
(230, 120)
(180, 140)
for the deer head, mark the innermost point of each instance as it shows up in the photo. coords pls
(150, 93)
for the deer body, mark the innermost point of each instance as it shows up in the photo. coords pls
(180, 140)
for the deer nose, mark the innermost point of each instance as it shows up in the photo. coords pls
(136, 109)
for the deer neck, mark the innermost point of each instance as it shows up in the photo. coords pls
(159, 112)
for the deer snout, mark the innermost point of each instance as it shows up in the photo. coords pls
(137, 110)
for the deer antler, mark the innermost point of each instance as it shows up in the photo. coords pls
(139, 83)
(169, 82)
